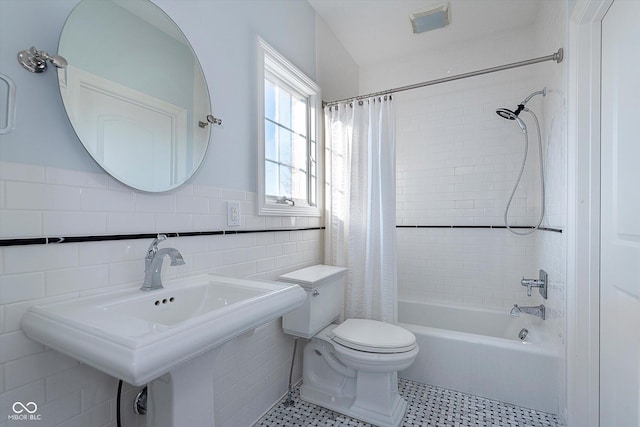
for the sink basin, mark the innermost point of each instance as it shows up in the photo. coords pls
(138, 336)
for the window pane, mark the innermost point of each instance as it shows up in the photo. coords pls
(270, 141)
(285, 181)
(299, 188)
(271, 178)
(284, 108)
(269, 100)
(299, 153)
(313, 173)
(284, 139)
(299, 116)
(313, 158)
(312, 198)
(312, 124)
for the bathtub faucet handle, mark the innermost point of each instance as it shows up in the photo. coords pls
(529, 283)
(540, 283)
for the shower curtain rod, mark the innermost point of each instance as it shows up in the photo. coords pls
(557, 56)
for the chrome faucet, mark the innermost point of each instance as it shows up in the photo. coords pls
(153, 263)
(537, 310)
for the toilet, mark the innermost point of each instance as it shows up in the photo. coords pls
(350, 367)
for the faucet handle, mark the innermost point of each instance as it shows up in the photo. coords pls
(153, 247)
(541, 283)
(161, 238)
(528, 283)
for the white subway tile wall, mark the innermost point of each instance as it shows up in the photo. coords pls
(478, 267)
(457, 163)
(252, 370)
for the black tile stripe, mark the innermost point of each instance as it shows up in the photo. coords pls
(524, 227)
(108, 237)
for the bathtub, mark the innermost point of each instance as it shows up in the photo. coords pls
(478, 351)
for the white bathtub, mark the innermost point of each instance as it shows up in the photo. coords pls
(478, 351)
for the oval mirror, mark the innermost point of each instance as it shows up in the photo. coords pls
(134, 92)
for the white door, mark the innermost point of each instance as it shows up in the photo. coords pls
(137, 138)
(620, 217)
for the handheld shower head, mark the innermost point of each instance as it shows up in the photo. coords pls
(513, 115)
(505, 113)
(523, 127)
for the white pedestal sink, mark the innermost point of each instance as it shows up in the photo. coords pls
(168, 335)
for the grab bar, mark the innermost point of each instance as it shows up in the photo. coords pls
(11, 105)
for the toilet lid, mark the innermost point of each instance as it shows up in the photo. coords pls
(373, 336)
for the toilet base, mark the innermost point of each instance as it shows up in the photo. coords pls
(370, 396)
(391, 415)
(360, 384)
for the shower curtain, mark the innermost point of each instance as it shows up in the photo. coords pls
(361, 204)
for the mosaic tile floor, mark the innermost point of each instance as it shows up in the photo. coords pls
(428, 406)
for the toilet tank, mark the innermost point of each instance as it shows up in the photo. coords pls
(324, 285)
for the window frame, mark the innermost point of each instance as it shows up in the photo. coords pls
(272, 62)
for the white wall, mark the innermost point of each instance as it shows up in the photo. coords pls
(337, 71)
(50, 186)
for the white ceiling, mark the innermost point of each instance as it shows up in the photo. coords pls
(373, 31)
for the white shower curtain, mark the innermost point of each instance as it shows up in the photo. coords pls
(361, 204)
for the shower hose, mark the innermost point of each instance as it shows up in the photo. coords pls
(515, 187)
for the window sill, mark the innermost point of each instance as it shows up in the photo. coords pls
(288, 210)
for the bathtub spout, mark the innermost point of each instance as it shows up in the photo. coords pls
(537, 310)
(515, 311)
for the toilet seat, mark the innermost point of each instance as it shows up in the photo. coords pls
(372, 336)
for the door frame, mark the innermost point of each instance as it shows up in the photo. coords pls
(583, 212)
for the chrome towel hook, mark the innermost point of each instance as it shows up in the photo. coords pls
(36, 60)
(210, 119)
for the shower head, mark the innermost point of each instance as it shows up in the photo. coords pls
(505, 113)
(513, 115)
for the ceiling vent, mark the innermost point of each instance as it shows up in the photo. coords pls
(430, 19)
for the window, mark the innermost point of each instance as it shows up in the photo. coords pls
(288, 137)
